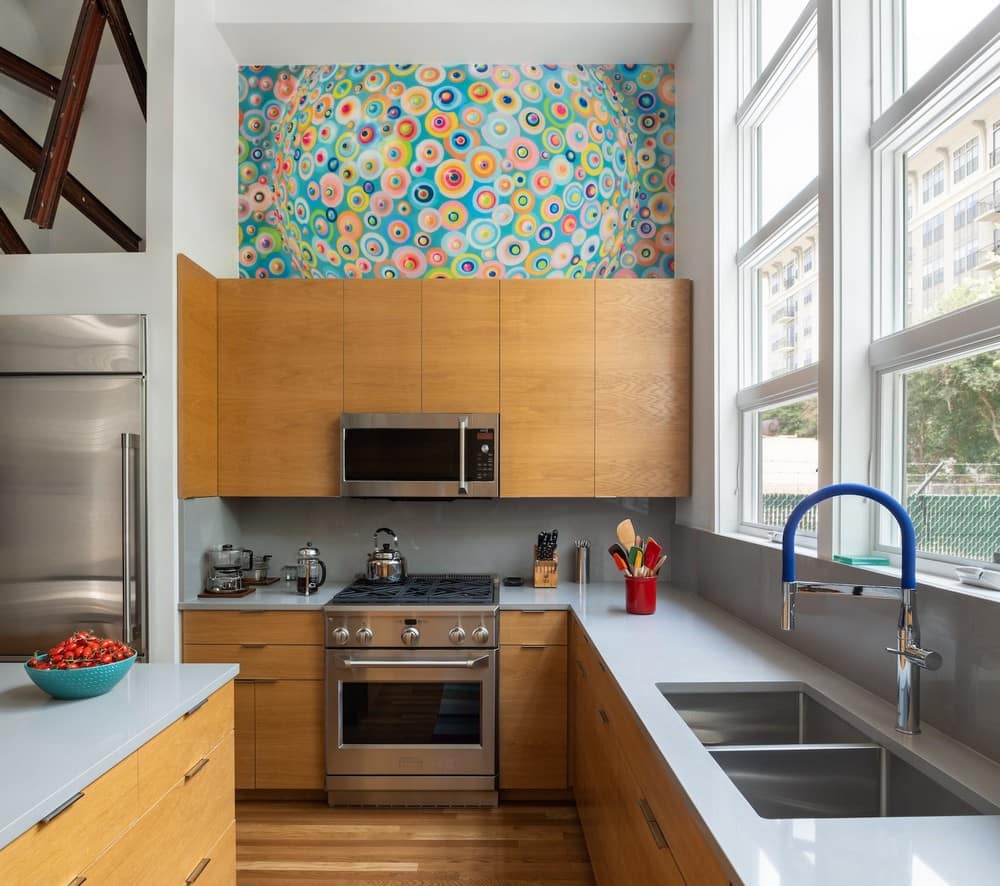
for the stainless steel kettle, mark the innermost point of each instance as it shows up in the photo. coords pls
(311, 571)
(386, 564)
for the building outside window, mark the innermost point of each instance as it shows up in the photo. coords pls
(965, 160)
(933, 182)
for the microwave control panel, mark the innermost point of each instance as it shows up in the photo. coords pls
(482, 457)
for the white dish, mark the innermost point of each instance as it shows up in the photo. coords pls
(980, 578)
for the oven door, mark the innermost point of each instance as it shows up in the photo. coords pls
(419, 455)
(410, 712)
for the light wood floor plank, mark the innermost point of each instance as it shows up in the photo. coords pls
(513, 845)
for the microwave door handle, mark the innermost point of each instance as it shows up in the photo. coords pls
(463, 424)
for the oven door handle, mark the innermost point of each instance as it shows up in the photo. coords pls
(362, 663)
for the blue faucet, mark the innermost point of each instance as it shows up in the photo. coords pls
(910, 657)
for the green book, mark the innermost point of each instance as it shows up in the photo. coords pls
(862, 559)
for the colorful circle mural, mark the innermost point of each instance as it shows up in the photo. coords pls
(463, 171)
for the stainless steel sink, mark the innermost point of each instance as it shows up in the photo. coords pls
(793, 757)
(784, 716)
(835, 781)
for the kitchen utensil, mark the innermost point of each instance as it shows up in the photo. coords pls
(80, 682)
(513, 581)
(619, 561)
(582, 560)
(229, 557)
(258, 571)
(651, 552)
(659, 564)
(385, 564)
(635, 560)
(227, 580)
(640, 595)
(289, 573)
(626, 533)
(311, 571)
(546, 545)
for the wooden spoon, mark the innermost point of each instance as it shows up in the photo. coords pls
(626, 534)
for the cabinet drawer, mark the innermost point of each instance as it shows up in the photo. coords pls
(266, 661)
(165, 759)
(218, 868)
(533, 627)
(58, 850)
(170, 840)
(240, 626)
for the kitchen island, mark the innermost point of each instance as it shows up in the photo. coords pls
(108, 787)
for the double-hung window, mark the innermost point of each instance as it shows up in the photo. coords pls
(778, 132)
(936, 350)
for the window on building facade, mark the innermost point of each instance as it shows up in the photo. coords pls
(965, 160)
(933, 181)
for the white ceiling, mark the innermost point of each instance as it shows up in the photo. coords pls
(453, 31)
(42, 30)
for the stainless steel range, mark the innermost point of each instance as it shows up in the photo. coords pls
(411, 689)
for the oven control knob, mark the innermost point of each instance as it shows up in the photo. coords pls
(364, 636)
(481, 635)
(341, 636)
(410, 636)
(456, 635)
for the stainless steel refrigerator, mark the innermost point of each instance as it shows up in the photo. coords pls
(72, 480)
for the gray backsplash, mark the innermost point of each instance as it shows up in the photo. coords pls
(475, 535)
(849, 635)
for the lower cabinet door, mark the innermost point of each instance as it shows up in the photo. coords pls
(288, 734)
(533, 717)
(218, 868)
(645, 856)
(246, 745)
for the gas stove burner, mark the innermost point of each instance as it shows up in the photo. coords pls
(421, 590)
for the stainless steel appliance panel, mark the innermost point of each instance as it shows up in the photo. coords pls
(71, 509)
(403, 713)
(72, 344)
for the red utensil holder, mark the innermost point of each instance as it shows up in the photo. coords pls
(640, 595)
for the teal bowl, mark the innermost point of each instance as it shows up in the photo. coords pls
(81, 682)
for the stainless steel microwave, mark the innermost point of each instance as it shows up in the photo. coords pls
(419, 455)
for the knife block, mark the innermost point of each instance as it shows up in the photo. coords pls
(546, 571)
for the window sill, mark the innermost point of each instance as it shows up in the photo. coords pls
(930, 580)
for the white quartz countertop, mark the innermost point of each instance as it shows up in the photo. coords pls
(280, 596)
(51, 749)
(690, 641)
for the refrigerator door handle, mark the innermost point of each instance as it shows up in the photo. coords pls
(130, 451)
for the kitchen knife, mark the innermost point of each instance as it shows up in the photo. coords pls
(651, 552)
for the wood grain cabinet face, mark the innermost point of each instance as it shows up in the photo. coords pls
(280, 387)
(246, 743)
(288, 730)
(643, 388)
(461, 345)
(382, 346)
(197, 380)
(547, 388)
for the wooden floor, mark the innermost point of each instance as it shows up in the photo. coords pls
(515, 845)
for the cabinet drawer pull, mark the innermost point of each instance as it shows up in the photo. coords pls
(604, 716)
(533, 611)
(198, 871)
(62, 807)
(253, 645)
(654, 826)
(532, 646)
(77, 881)
(198, 706)
(194, 770)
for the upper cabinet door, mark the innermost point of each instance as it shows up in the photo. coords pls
(643, 388)
(547, 388)
(197, 380)
(382, 346)
(461, 345)
(280, 387)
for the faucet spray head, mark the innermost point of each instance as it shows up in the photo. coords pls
(788, 593)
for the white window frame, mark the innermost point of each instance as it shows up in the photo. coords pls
(965, 75)
(758, 238)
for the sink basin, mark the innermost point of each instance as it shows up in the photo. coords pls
(791, 756)
(835, 781)
(784, 716)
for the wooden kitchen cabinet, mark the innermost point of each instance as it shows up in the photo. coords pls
(382, 345)
(280, 387)
(643, 388)
(197, 381)
(533, 704)
(279, 702)
(460, 347)
(636, 825)
(288, 730)
(547, 388)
